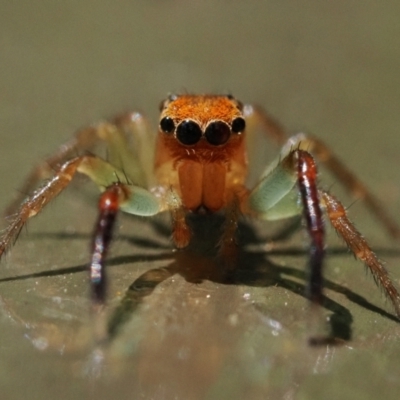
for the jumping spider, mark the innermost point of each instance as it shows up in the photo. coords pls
(200, 166)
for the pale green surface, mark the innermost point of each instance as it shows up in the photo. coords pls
(327, 67)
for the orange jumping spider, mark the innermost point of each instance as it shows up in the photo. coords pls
(200, 166)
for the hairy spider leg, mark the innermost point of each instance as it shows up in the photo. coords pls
(118, 193)
(46, 168)
(277, 196)
(256, 116)
(129, 144)
(360, 248)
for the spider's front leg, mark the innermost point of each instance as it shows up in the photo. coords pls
(289, 188)
(117, 193)
(277, 196)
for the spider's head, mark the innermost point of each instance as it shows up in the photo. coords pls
(192, 119)
(201, 150)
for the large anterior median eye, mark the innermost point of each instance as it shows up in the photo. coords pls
(217, 133)
(188, 132)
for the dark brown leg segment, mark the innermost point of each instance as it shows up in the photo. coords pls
(325, 155)
(352, 183)
(307, 181)
(108, 210)
(359, 246)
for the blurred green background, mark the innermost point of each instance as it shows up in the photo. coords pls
(331, 68)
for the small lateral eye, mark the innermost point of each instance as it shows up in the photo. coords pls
(217, 133)
(238, 125)
(167, 125)
(188, 132)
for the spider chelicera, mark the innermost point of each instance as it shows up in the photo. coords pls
(200, 166)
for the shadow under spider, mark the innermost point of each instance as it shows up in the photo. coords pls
(252, 268)
(199, 262)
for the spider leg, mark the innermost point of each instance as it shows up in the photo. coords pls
(307, 182)
(136, 127)
(132, 158)
(257, 116)
(347, 178)
(44, 170)
(109, 205)
(360, 248)
(181, 232)
(138, 201)
(35, 203)
(277, 195)
(117, 194)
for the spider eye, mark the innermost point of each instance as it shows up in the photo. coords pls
(217, 133)
(238, 125)
(167, 125)
(188, 132)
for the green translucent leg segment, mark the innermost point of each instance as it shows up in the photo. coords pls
(120, 154)
(141, 137)
(276, 196)
(125, 140)
(136, 200)
(258, 119)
